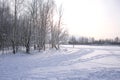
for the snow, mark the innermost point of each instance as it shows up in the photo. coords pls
(68, 63)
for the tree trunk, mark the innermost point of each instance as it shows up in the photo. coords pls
(27, 50)
(13, 46)
(28, 47)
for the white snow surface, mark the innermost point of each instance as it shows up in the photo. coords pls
(68, 63)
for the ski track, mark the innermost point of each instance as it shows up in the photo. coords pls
(66, 64)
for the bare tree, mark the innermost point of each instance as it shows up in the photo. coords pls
(5, 24)
(58, 33)
(27, 33)
(33, 10)
(60, 14)
(14, 40)
(45, 16)
(53, 26)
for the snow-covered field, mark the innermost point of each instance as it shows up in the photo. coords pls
(79, 63)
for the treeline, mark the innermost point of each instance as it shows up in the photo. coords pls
(91, 41)
(29, 23)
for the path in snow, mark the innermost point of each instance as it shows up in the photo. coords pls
(79, 63)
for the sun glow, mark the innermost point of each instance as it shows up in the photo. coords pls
(96, 18)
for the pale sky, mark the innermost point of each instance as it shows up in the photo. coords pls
(92, 18)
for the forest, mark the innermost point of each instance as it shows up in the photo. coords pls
(29, 23)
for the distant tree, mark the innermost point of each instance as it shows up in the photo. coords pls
(116, 39)
(92, 40)
(73, 41)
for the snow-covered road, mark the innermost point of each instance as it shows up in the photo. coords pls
(79, 63)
